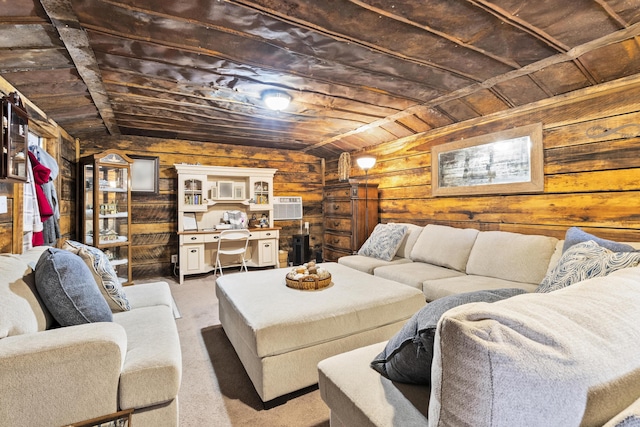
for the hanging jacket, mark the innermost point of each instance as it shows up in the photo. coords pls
(41, 176)
(32, 224)
(51, 232)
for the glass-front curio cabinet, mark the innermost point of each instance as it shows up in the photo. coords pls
(105, 214)
(15, 134)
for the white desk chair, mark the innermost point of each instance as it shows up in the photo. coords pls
(232, 242)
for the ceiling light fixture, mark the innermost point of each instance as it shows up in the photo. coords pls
(276, 100)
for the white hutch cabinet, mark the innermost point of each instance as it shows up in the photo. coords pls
(214, 198)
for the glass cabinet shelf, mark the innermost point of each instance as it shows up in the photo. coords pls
(106, 198)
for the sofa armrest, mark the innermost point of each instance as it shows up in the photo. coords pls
(61, 376)
(149, 294)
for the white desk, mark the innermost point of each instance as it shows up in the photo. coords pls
(198, 249)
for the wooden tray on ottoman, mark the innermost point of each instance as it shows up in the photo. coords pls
(308, 283)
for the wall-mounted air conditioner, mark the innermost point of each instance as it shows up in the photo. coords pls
(287, 208)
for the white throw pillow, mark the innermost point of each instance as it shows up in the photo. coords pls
(105, 276)
(583, 261)
(384, 241)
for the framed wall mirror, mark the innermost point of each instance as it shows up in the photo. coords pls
(144, 174)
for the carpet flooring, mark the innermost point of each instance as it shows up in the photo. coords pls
(215, 390)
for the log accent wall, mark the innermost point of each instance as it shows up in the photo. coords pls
(154, 217)
(62, 147)
(591, 141)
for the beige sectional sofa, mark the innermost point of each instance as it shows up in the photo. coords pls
(564, 358)
(54, 376)
(442, 260)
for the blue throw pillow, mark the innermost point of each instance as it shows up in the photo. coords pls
(68, 289)
(576, 235)
(408, 355)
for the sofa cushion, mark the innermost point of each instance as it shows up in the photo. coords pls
(556, 256)
(407, 356)
(414, 273)
(21, 310)
(103, 273)
(439, 288)
(149, 294)
(511, 256)
(409, 241)
(577, 235)
(384, 241)
(359, 396)
(368, 264)
(557, 359)
(152, 368)
(444, 246)
(68, 289)
(583, 261)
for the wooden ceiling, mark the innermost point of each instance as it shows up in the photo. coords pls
(360, 72)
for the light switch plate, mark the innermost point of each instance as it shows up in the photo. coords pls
(3, 204)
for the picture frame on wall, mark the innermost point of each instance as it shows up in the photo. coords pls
(144, 174)
(505, 162)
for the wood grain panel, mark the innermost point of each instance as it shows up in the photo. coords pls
(591, 142)
(154, 216)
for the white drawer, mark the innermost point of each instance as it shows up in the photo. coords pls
(268, 234)
(192, 238)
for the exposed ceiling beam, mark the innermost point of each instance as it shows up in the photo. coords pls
(631, 32)
(77, 44)
(433, 31)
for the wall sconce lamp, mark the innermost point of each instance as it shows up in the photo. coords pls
(276, 100)
(365, 163)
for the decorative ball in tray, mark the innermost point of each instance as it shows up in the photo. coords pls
(308, 277)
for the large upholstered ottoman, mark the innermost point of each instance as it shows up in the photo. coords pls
(280, 333)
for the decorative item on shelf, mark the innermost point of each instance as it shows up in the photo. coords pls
(108, 208)
(344, 166)
(108, 235)
(264, 221)
(308, 276)
(365, 163)
(253, 222)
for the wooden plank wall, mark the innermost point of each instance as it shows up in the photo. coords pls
(62, 147)
(154, 217)
(591, 142)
